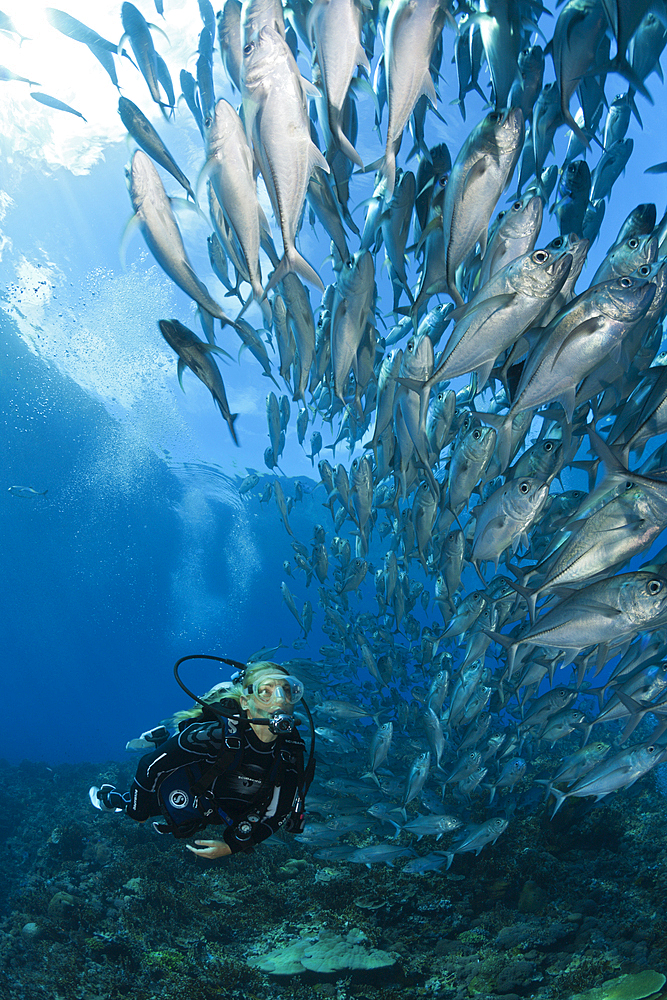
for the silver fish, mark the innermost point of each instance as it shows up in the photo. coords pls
(230, 169)
(137, 31)
(506, 517)
(334, 29)
(146, 136)
(620, 771)
(194, 354)
(158, 226)
(481, 172)
(276, 120)
(413, 26)
(478, 835)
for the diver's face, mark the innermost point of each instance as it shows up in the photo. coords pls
(270, 695)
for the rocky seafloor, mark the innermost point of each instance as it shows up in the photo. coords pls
(95, 906)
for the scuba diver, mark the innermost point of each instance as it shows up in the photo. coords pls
(236, 762)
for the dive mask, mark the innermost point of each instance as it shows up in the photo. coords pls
(276, 689)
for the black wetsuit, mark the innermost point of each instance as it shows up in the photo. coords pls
(255, 794)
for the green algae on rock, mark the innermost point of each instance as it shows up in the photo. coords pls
(633, 986)
(329, 952)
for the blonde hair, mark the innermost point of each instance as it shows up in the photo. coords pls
(234, 693)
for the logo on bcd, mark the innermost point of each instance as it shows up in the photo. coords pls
(178, 798)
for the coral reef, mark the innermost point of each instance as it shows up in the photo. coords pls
(98, 908)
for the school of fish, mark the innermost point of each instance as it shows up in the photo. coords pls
(455, 510)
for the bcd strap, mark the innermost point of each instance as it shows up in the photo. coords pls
(230, 755)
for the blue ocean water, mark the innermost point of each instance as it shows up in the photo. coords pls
(126, 564)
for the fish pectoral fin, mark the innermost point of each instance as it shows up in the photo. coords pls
(580, 332)
(635, 523)
(180, 368)
(205, 173)
(341, 310)
(434, 224)
(606, 610)
(483, 372)
(182, 206)
(567, 400)
(490, 306)
(412, 383)
(477, 170)
(213, 348)
(133, 224)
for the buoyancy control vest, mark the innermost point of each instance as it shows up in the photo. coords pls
(185, 797)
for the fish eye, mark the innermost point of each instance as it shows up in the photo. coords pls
(477, 434)
(247, 49)
(517, 206)
(625, 282)
(628, 485)
(576, 494)
(495, 116)
(645, 270)
(524, 487)
(654, 586)
(540, 256)
(442, 179)
(558, 243)
(548, 446)
(633, 242)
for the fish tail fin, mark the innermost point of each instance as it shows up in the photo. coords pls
(259, 296)
(231, 418)
(619, 64)
(548, 785)
(301, 266)
(265, 306)
(529, 596)
(559, 797)
(372, 167)
(389, 172)
(341, 142)
(292, 261)
(244, 307)
(508, 643)
(578, 131)
(633, 106)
